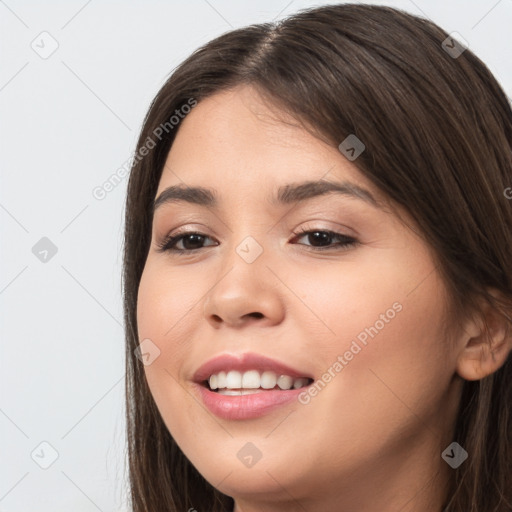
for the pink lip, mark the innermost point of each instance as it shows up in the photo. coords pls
(245, 406)
(242, 363)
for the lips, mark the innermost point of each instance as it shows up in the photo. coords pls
(246, 403)
(243, 363)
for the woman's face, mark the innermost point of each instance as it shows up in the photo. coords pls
(359, 312)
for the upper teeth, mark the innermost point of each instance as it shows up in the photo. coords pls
(253, 380)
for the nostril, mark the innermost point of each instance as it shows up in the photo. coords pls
(256, 315)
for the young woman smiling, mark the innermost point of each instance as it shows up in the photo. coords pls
(341, 172)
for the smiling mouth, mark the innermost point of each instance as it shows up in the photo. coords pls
(233, 383)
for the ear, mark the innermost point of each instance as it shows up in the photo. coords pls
(482, 354)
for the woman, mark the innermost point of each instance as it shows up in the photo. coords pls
(318, 274)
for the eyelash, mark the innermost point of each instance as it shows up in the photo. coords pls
(168, 244)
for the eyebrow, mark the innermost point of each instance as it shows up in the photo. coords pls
(287, 194)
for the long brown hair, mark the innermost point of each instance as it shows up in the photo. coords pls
(438, 134)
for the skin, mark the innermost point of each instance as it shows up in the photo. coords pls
(382, 422)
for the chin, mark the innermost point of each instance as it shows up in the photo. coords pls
(231, 470)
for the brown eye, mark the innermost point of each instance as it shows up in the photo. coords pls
(322, 239)
(189, 241)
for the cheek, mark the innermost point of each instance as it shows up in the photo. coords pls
(397, 361)
(165, 310)
(381, 341)
(346, 303)
(167, 304)
(392, 310)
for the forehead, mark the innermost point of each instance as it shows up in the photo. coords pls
(235, 137)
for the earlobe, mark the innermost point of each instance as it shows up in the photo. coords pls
(485, 351)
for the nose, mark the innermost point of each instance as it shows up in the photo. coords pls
(246, 293)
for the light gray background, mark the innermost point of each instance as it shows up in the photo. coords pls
(68, 122)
